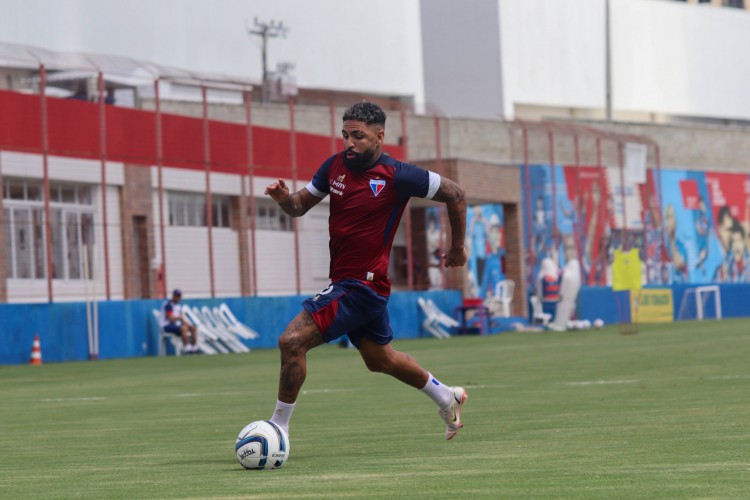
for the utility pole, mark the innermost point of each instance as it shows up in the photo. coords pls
(266, 30)
(608, 61)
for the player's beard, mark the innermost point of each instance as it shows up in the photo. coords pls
(361, 161)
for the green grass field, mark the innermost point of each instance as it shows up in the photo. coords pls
(661, 414)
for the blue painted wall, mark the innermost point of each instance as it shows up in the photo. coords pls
(128, 328)
(599, 302)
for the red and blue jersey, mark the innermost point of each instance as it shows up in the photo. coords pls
(366, 207)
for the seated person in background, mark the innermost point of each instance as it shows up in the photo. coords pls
(173, 321)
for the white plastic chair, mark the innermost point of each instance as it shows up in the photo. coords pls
(208, 342)
(504, 294)
(435, 319)
(537, 312)
(215, 335)
(225, 335)
(165, 337)
(224, 314)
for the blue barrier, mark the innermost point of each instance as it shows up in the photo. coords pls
(735, 299)
(599, 302)
(128, 328)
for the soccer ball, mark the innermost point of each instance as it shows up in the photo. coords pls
(598, 323)
(262, 445)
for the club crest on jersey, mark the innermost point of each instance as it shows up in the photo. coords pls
(377, 186)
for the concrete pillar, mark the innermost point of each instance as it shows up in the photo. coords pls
(136, 201)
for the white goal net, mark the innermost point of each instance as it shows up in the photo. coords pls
(703, 302)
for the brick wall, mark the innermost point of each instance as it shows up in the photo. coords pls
(492, 183)
(136, 200)
(238, 215)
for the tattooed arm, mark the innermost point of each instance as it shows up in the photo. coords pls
(295, 204)
(452, 195)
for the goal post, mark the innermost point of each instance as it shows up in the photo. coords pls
(699, 303)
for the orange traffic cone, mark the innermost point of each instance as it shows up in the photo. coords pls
(36, 352)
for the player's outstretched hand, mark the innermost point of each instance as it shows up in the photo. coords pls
(456, 257)
(278, 191)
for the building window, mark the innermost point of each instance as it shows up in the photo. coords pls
(269, 216)
(220, 211)
(189, 209)
(72, 228)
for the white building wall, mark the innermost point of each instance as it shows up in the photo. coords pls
(187, 260)
(667, 57)
(187, 247)
(461, 58)
(315, 257)
(226, 262)
(30, 166)
(680, 59)
(552, 53)
(275, 262)
(115, 242)
(82, 171)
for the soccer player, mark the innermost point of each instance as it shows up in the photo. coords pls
(369, 191)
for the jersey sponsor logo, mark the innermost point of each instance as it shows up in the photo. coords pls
(377, 186)
(337, 186)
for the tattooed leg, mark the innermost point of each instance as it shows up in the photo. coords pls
(300, 336)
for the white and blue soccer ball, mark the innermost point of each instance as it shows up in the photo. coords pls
(598, 323)
(262, 445)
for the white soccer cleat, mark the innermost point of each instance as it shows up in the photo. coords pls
(452, 413)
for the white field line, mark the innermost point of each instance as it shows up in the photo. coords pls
(729, 377)
(65, 400)
(582, 383)
(326, 391)
(600, 382)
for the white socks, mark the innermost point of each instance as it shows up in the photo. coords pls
(282, 414)
(437, 391)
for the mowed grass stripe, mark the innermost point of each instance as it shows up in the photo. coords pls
(660, 414)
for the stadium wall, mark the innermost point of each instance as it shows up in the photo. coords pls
(128, 328)
(599, 302)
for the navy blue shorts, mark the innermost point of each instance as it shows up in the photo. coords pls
(350, 307)
(174, 327)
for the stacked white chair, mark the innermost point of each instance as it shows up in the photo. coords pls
(224, 315)
(208, 340)
(436, 320)
(228, 337)
(218, 331)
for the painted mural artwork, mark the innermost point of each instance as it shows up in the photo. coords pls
(485, 243)
(689, 226)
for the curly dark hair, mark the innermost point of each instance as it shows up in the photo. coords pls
(366, 112)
